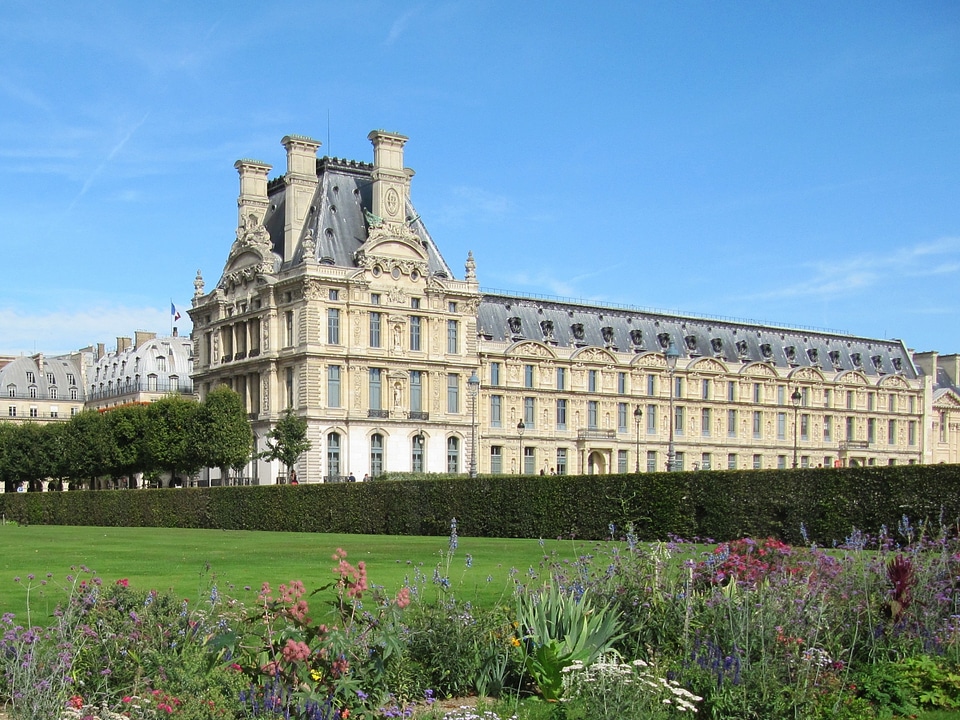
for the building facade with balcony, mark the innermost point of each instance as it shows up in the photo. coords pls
(335, 302)
(43, 389)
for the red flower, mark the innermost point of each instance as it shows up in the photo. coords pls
(123, 582)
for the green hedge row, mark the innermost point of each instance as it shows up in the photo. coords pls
(829, 503)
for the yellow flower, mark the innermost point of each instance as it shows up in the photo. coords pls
(316, 675)
(514, 642)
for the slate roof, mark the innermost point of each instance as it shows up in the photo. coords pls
(339, 222)
(14, 378)
(507, 318)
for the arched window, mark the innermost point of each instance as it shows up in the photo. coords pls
(453, 455)
(416, 464)
(152, 383)
(333, 455)
(376, 454)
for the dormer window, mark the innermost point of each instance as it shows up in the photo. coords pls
(577, 330)
(716, 344)
(835, 359)
(546, 327)
(663, 339)
(766, 351)
(791, 352)
(51, 380)
(691, 342)
(897, 364)
(607, 333)
(857, 359)
(11, 390)
(877, 361)
(636, 337)
(31, 378)
(814, 356)
(742, 348)
(515, 325)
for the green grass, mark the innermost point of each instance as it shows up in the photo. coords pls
(187, 561)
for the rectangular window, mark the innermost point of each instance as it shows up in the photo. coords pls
(912, 433)
(334, 294)
(561, 414)
(850, 399)
(416, 455)
(375, 319)
(374, 298)
(678, 417)
(496, 411)
(333, 386)
(561, 461)
(621, 461)
(732, 391)
(74, 394)
(496, 459)
(892, 402)
(651, 460)
(706, 461)
(593, 411)
(51, 380)
(495, 374)
(731, 423)
(415, 303)
(913, 404)
(12, 410)
(781, 426)
(781, 394)
(415, 325)
(757, 392)
(705, 422)
(871, 400)
(678, 387)
(333, 326)
(705, 389)
(678, 461)
(452, 307)
(621, 417)
(529, 412)
(622, 383)
(651, 419)
(528, 376)
(850, 428)
(731, 461)
(71, 380)
(757, 462)
(781, 462)
(529, 460)
(376, 455)
(31, 377)
(828, 428)
(289, 385)
(804, 428)
(561, 378)
(871, 430)
(453, 393)
(288, 322)
(375, 389)
(592, 381)
(416, 391)
(826, 397)
(891, 432)
(651, 385)
(453, 343)
(757, 424)
(804, 461)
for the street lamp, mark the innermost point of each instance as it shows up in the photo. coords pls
(473, 388)
(637, 415)
(520, 428)
(795, 398)
(671, 356)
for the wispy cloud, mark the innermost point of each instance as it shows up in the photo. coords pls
(399, 26)
(114, 151)
(25, 332)
(472, 204)
(849, 276)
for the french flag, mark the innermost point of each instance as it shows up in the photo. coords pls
(174, 312)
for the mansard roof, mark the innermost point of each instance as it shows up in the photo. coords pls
(508, 318)
(339, 223)
(163, 357)
(62, 369)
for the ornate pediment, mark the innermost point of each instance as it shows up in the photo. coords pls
(707, 365)
(853, 377)
(650, 360)
(949, 400)
(892, 382)
(594, 355)
(531, 349)
(251, 255)
(758, 369)
(807, 374)
(390, 246)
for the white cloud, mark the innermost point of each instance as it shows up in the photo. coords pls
(59, 332)
(399, 26)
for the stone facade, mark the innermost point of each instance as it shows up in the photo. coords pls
(335, 302)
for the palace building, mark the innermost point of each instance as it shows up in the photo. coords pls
(335, 302)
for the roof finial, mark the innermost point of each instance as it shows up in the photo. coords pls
(471, 266)
(198, 284)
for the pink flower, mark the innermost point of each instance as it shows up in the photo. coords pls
(123, 582)
(403, 598)
(295, 651)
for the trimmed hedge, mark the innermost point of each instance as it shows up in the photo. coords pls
(829, 503)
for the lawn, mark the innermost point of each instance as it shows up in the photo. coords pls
(189, 561)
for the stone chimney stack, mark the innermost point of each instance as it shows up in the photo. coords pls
(253, 190)
(123, 343)
(142, 336)
(101, 350)
(301, 181)
(391, 182)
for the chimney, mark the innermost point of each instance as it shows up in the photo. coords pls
(301, 180)
(101, 350)
(38, 359)
(253, 190)
(175, 333)
(391, 182)
(123, 343)
(142, 336)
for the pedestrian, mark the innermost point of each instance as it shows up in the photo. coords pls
(366, 477)
(293, 478)
(352, 477)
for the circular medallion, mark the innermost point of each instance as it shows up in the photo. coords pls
(392, 200)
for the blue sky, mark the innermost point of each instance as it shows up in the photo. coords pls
(793, 163)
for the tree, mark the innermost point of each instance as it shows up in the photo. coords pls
(222, 431)
(87, 446)
(287, 441)
(170, 446)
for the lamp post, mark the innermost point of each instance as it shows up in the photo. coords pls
(473, 388)
(520, 428)
(671, 356)
(795, 398)
(637, 415)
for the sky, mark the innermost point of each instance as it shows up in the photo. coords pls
(788, 163)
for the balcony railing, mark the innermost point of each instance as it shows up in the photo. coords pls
(418, 415)
(378, 413)
(182, 387)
